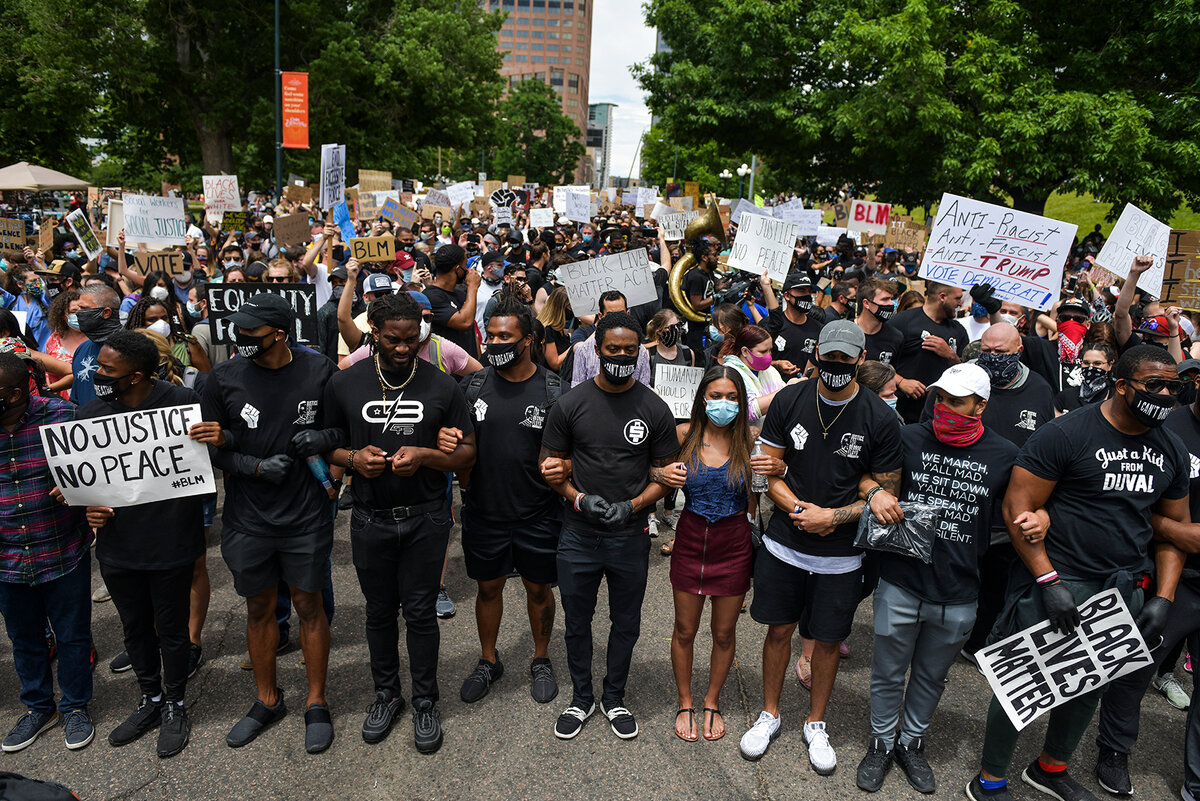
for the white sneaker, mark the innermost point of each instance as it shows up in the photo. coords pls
(653, 526)
(820, 752)
(669, 518)
(756, 741)
(1169, 686)
(101, 594)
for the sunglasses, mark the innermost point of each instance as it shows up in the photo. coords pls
(278, 279)
(1073, 318)
(1154, 386)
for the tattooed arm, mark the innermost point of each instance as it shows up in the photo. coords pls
(658, 486)
(884, 504)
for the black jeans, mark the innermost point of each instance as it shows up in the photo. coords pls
(993, 588)
(583, 559)
(399, 565)
(154, 607)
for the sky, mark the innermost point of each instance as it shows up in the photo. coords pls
(620, 39)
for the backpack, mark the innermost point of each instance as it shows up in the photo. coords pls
(476, 380)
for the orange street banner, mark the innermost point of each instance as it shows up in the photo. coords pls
(295, 109)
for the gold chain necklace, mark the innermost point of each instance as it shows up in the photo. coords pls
(393, 387)
(821, 418)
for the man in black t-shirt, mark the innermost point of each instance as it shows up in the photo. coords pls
(149, 575)
(616, 433)
(699, 288)
(930, 341)
(454, 305)
(876, 305)
(794, 327)
(390, 409)
(1099, 473)
(263, 415)
(808, 574)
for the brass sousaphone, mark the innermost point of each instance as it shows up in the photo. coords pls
(707, 224)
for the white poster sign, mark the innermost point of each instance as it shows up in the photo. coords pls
(629, 272)
(541, 218)
(220, 195)
(661, 210)
(828, 236)
(673, 225)
(746, 207)
(579, 207)
(677, 385)
(158, 222)
(116, 221)
(461, 194)
(869, 217)
(333, 175)
(763, 245)
(808, 220)
(1137, 234)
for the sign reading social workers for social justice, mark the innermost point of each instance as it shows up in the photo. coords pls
(128, 459)
(677, 385)
(1037, 669)
(764, 245)
(1137, 234)
(1021, 255)
(628, 272)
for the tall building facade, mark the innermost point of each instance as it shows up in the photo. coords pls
(599, 142)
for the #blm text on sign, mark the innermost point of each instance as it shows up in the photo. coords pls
(764, 245)
(373, 249)
(628, 271)
(225, 299)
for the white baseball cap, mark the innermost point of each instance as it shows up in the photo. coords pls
(961, 380)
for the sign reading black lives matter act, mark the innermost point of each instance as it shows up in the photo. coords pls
(128, 459)
(225, 299)
(1037, 669)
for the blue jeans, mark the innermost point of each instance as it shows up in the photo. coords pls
(67, 603)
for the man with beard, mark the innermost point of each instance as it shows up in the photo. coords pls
(1156, 328)
(931, 340)
(795, 326)
(698, 286)
(99, 316)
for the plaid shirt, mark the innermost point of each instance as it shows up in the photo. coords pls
(40, 539)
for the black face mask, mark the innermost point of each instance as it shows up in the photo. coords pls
(836, 376)
(106, 386)
(669, 335)
(94, 325)
(1149, 409)
(882, 312)
(501, 355)
(618, 369)
(803, 303)
(1002, 368)
(251, 347)
(1096, 383)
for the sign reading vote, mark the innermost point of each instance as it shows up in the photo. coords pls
(628, 272)
(764, 245)
(677, 384)
(1037, 669)
(128, 459)
(156, 221)
(1137, 234)
(167, 261)
(1021, 255)
(224, 299)
(373, 249)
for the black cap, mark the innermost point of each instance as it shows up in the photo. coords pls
(339, 272)
(491, 257)
(265, 308)
(797, 281)
(1076, 305)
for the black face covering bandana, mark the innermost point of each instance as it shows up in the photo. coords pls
(1149, 409)
(1096, 383)
(1002, 368)
(669, 335)
(251, 347)
(618, 369)
(94, 326)
(502, 355)
(836, 376)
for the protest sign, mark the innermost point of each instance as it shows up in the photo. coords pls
(368, 207)
(502, 216)
(128, 459)
(515, 180)
(488, 187)
(437, 197)
(341, 218)
(1181, 277)
(646, 194)
(673, 225)
(333, 175)
(12, 235)
(677, 385)
(660, 210)
(401, 216)
(828, 235)
(1021, 255)
(299, 194)
(168, 261)
(502, 198)
(579, 207)
(841, 213)
(628, 272)
(429, 211)
(807, 220)
(746, 207)
(1037, 669)
(681, 203)
(629, 198)
(1136, 234)
(157, 222)
(224, 299)
(233, 221)
(869, 217)
(293, 229)
(541, 218)
(764, 245)
(373, 249)
(84, 235)
(905, 236)
(46, 234)
(116, 222)
(462, 193)
(220, 195)
(374, 180)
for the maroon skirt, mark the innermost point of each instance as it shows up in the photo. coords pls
(712, 558)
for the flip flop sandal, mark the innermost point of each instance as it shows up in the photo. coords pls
(712, 715)
(665, 550)
(691, 713)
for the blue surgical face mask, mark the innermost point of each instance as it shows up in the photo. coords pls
(192, 310)
(715, 335)
(978, 311)
(891, 402)
(722, 412)
(72, 254)
(73, 321)
(587, 237)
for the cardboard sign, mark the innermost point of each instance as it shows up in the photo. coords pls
(541, 218)
(1037, 669)
(233, 221)
(224, 299)
(681, 203)
(841, 213)
(579, 207)
(515, 180)
(764, 245)
(46, 234)
(157, 222)
(674, 225)
(1136, 234)
(691, 189)
(428, 211)
(78, 223)
(1021, 255)
(292, 229)
(437, 197)
(869, 217)
(128, 459)
(374, 249)
(299, 194)
(333, 175)
(677, 385)
(905, 236)
(168, 261)
(491, 186)
(368, 207)
(401, 216)
(1181, 280)
(220, 195)
(374, 181)
(12, 235)
(629, 272)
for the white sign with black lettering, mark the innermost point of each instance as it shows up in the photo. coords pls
(579, 207)
(1136, 234)
(764, 245)
(629, 272)
(673, 225)
(157, 222)
(677, 384)
(541, 218)
(128, 459)
(333, 175)
(1037, 669)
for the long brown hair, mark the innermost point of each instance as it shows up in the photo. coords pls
(747, 338)
(738, 473)
(554, 313)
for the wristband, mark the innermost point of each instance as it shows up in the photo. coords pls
(871, 492)
(350, 460)
(576, 504)
(1046, 578)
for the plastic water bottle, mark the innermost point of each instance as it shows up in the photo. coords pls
(316, 463)
(757, 483)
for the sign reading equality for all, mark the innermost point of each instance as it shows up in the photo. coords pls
(629, 272)
(764, 245)
(1021, 255)
(1136, 234)
(333, 175)
(224, 299)
(1037, 669)
(677, 385)
(128, 459)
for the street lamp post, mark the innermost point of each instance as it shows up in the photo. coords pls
(742, 172)
(725, 176)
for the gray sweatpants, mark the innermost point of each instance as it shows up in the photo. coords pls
(927, 636)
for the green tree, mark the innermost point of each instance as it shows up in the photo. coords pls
(536, 139)
(702, 163)
(999, 99)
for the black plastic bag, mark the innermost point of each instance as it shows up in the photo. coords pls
(912, 536)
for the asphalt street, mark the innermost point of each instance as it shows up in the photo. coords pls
(503, 746)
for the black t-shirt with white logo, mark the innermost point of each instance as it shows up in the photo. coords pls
(445, 305)
(883, 344)
(506, 484)
(356, 403)
(968, 485)
(1183, 422)
(825, 470)
(264, 409)
(1107, 484)
(611, 439)
(1014, 413)
(913, 361)
(791, 342)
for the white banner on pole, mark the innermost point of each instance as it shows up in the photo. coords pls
(333, 175)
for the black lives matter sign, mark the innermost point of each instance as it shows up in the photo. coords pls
(225, 299)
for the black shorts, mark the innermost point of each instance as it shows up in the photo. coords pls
(492, 550)
(260, 563)
(822, 604)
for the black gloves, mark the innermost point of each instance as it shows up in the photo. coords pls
(983, 294)
(1060, 607)
(312, 441)
(273, 469)
(1153, 619)
(618, 513)
(593, 507)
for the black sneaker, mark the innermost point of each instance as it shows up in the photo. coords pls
(1112, 771)
(146, 717)
(544, 687)
(318, 728)
(380, 716)
(911, 759)
(175, 731)
(623, 724)
(195, 658)
(120, 663)
(976, 792)
(257, 720)
(427, 726)
(28, 728)
(571, 721)
(1057, 785)
(77, 726)
(346, 500)
(480, 681)
(874, 766)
